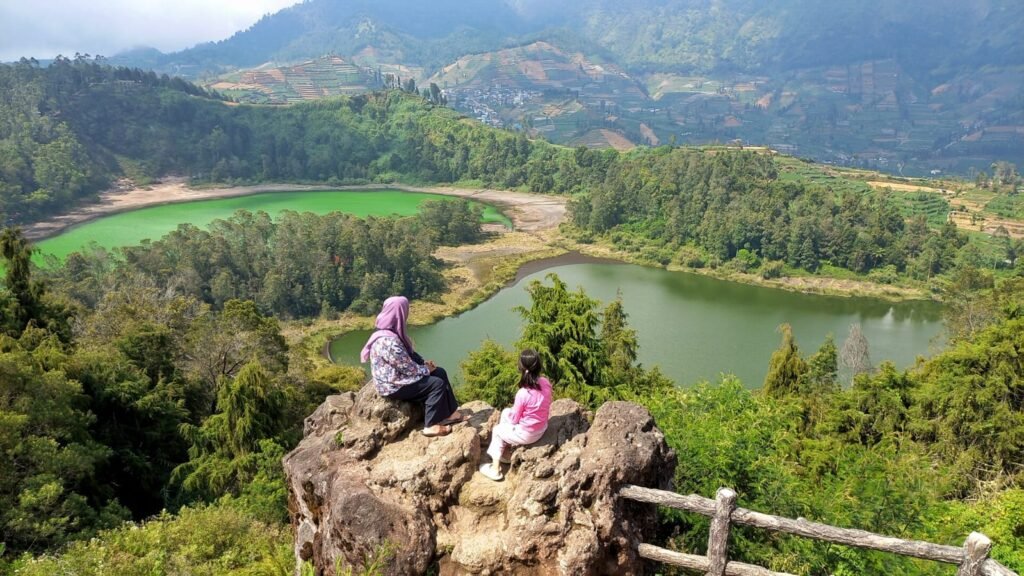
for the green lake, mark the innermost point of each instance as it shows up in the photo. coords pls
(132, 227)
(692, 326)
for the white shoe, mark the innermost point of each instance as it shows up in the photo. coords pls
(492, 473)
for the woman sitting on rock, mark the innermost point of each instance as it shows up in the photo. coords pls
(525, 422)
(399, 373)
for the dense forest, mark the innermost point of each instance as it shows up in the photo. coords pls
(704, 209)
(133, 369)
(297, 266)
(153, 382)
(74, 126)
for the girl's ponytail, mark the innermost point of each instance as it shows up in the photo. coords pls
(529, 369)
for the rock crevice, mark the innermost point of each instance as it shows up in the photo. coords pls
(364, 479)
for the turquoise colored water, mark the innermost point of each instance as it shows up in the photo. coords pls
(131, 228)
(692, 326)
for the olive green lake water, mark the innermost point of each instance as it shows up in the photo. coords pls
(132, 227)
(694, 327)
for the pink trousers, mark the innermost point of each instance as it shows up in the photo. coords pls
(507, 434)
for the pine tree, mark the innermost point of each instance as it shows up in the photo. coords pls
(232, 447)
(490, 374)
(25, 300)
(24, 303)
(562, 327)
(786, 368)
(822, 369)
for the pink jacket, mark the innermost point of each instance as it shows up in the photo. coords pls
(532, 407)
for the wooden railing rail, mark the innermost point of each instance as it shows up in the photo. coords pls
(972, 558)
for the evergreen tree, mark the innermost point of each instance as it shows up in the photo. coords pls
(562, 327)
(491, 374)
(786, 368)
(822, 369)
(234, 445)
(24, 300)
(620, 345)
(48, 459)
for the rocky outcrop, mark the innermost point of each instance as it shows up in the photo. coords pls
(365, 480)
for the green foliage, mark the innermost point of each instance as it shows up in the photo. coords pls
(214, 540)
(301, 265)
(23, 300)
(491, 374)
(136, 417)
(451, 222)
(969, 406)
(219, 345)
(999, 516)
(562, 327)
(786, 369)
(822, 369)
(72, 124)
(339, 378)
(236, 445)
(771, 269)
(734, 205)
(589, 355)
(45, 164)
(726, 435)
(48, 460)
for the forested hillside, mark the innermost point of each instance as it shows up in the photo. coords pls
(669, 35)
(904, 87)
(73, 127)
(67, 130)
(122, 395)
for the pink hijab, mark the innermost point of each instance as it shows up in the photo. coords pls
(390, 322)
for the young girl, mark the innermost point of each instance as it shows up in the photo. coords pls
(526, 421)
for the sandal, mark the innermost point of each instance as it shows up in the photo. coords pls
(442, 430)
(455, 418)
(489, 471)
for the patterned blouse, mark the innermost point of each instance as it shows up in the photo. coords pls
(392, 367)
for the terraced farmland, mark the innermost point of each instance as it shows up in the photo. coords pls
(932, 205)
(311, 80)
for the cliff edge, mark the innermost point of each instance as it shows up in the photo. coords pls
(364, 479)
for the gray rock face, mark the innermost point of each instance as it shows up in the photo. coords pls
(364, 479)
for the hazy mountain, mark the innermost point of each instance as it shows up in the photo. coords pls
(667, 35)
(917, 84)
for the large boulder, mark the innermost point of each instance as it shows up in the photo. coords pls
(364, 483)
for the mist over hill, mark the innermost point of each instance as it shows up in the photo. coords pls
(667, 35)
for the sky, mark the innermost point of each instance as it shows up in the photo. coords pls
(45, 28)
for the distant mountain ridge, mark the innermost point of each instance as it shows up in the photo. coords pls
(927, 85)
(653, 35)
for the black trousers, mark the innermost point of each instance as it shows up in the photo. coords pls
(435, 391)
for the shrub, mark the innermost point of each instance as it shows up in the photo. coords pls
(215, 540)
(772, 269)
(691, 257)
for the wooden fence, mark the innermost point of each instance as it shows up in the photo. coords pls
(972, 558)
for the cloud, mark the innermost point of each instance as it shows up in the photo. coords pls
(45, 28)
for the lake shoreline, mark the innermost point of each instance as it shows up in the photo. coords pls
(816, 285)
(532, 212)
(706, 318)
(530, 264)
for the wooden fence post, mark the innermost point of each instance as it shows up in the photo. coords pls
(976, 550)
(718, 535)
